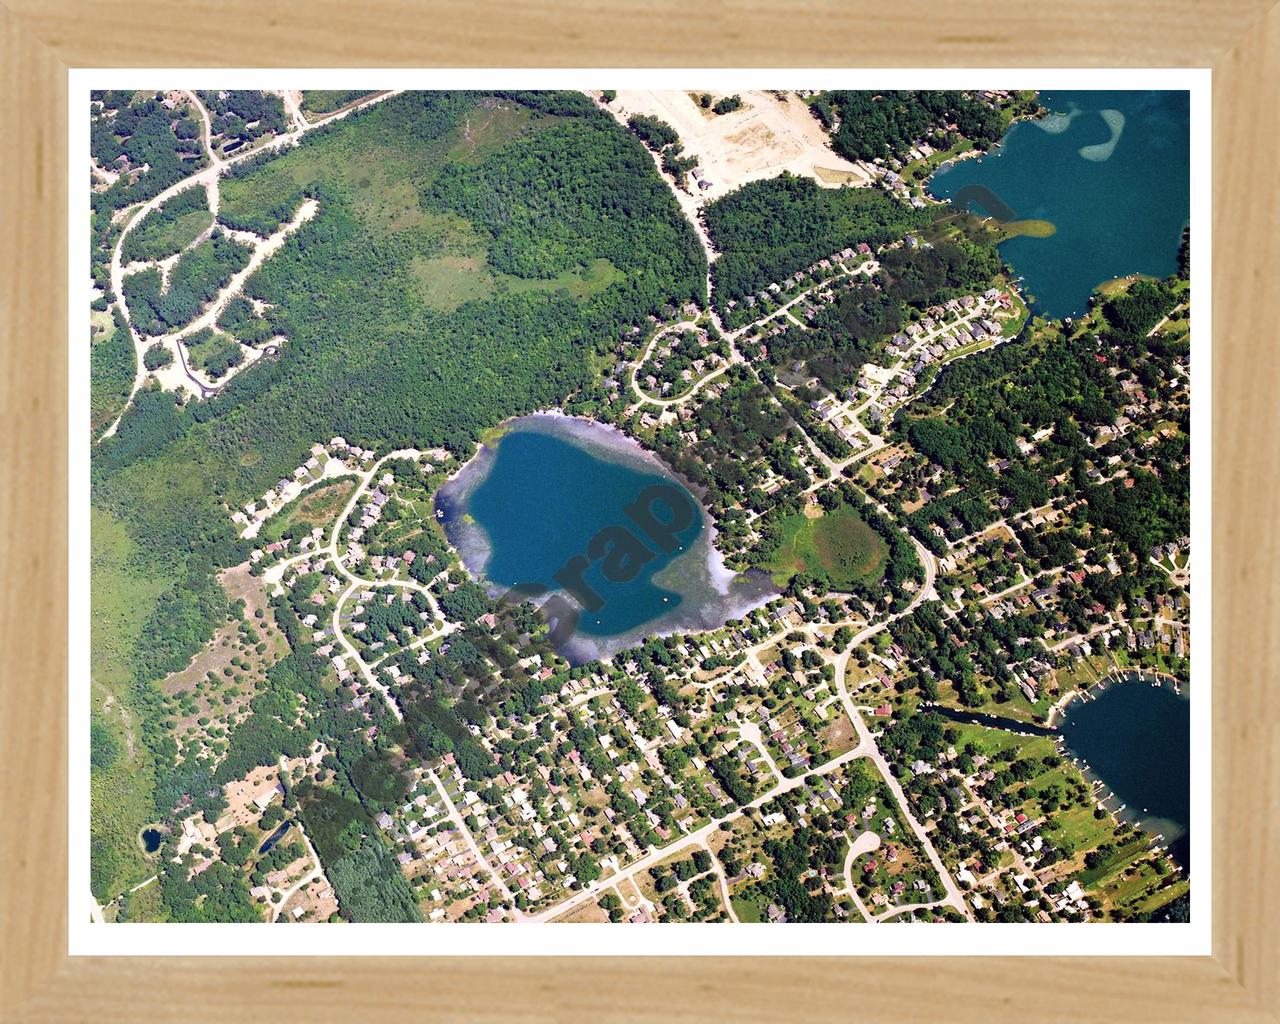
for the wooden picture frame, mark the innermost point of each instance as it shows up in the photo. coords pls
(39, 41)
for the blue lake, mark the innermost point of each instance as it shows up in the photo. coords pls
(559, 505)
(1110, 170)
(1136, 738)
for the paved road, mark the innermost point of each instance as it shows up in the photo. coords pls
(696, 838)
(207, 178)
(455, 816)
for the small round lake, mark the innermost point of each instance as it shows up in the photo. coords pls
(1110, 170)
(565, 507)
(1136, 738)
(151, 839)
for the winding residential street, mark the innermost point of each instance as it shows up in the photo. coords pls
(866, 746)
(207, 177)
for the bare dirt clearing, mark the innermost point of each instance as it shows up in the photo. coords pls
(763, 138)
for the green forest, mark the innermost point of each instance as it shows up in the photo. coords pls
(366, 357)
(870, 125)
(1047, 380)
(769, 229)
(851, 331)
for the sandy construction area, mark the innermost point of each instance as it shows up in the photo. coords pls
(763, 138)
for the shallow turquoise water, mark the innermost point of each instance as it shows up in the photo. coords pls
(1111, 171)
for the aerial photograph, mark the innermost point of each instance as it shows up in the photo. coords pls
(638, 507)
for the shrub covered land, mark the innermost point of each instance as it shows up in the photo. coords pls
(111, 366)
(196, 279)
(172, 227)
(408, 184)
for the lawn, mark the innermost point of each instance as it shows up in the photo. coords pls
(988, 742)
(839, 545)
(1124, 854)
(919, 170)
(1075, 829)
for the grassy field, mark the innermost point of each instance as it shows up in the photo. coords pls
(101, 324)
(163, 238)
(487, 129)
(832, 176)
(324, 101)
(839, 545)
(120, 787)
(317, 507)
(461, 273)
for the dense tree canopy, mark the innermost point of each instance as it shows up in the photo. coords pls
(867, 125)
(769, 229)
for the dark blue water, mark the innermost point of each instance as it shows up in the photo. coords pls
(544, 500)
(275, 837)
(989, 721)
(151, 839)
(1110, 170)
(525, 510)
(1137, 739)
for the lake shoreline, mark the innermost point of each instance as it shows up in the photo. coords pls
(1110, 169)
(709, 593)
(1167, 834)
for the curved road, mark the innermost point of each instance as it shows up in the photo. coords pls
(207, 177)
